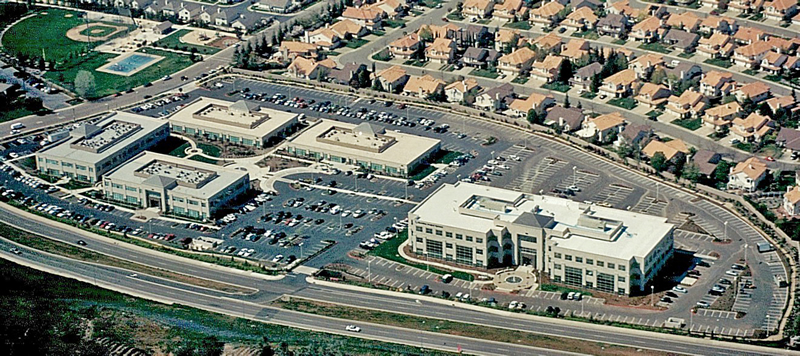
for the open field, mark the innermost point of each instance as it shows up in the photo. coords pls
(173, 41)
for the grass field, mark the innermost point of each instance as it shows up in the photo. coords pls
(689, 124)
(107, 83)
(203, 159)
(388, 250)
(484, 73)
(45, 33)
(210, 150)
(98, 31)
(173, 42)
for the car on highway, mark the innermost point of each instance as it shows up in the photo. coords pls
(353, 328)
(81, 242)
(15, 251)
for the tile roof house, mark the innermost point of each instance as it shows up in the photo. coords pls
(789, 140)
(536, 101)
(392, 79)
(653, 94)
(462, 91)
(592, 4)
(347, 73)
(646, 30)
(681, 40)
(406, 47)
(583, 76)
(613, 25)
(505, 40)
(547, 42)
(517, 62)
(547, 15)
(473, 36)
(568, 119)
(744, 6)
(748, 35)
(604, 127)
(495, 99)
(305, 68)
(773, 62)
(706, 161)
(581, 19)
(716, 24)
(509, 10)
(441, 51)
(686, 21)
(779, 10)
(392, 8)
(786, 102)
(547, 70)
(619, 84)
(370, 18)
(718, 45)
(323, 37)
(576, 48)
(791, 201)
(423, 86)
(347, 29)
(689, 104)
(291, 49)
(722, 115)
(477, 9)
(714, 4)
(747, 175)
(445, 31)
(715, 84)
(757, 92)
(622, 7)
(753, 128)
(646, 64)
(685, 70)
(750, 56)
(474, 57)
(673, 150)
(782, 45)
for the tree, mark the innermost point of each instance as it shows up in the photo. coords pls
(266, 348)
(722, 171)
(425, 34)
(84, 84)
(565, 72)
(659, 161)
(566, 101)
(658, 76)
(597, 81)
(691, 173)
(376, 85)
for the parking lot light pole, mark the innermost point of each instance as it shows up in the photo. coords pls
(652, 295)
(369, 271)
(726, 234)
(574, 175)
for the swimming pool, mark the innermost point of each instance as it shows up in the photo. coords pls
(131, 63)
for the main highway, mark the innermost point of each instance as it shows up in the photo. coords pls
(255, 305)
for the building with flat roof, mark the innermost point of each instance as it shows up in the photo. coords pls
(367, 145)
(574, 243)
(242, 122)
(174, 185)
(94, 149)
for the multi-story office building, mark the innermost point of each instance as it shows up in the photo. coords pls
(94, 149)
(589, 246)
(174, 185)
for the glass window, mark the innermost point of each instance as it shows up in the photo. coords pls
(439, 232)
(600, 264)
(448, 234)
(479, 240)
(419, 239)
(573, 276)
(568, 257)
(621, 267)
(469, 238)
(557, 255)
(459, 237)
(621, 290)
(419, 229)
(611, 265)
(589, 261)
(620, 279)
(589, 272)
(478, 251)
(556, 266)
(463, 254)
(428, 230)
(449, 245)
(605, 282)
(434, 248)
(578, 259)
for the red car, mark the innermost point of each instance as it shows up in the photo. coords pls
(769, 158)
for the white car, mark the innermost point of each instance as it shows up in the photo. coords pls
(679, 289)
(353, 328)
(731, 272)
(277, 258)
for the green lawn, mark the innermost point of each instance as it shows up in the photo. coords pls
(430, 3)
(689, 124)
(394, 23)
(619, 42)
(382, 55)
(14, 114)
(93, 31)
(356, 43)
(774, 78)
(747, 147)
(107, 83)
(557, 86)
(519, 25)
(421, 173)
(180, 151)
(203, 159)
(686, 55)
(455, 16)
(478, 72)
(588, 95)
(750, 72)
(656, 47)
(388, 250)
(210, 150)
(46, 34)
(625, 103)
(724, 63)
(414, 62)
(653, 114)
(520, 79)
(448, 156)
(588, 34)
(173, 42)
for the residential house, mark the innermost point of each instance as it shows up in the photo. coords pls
(406, 47)
(744, 6)
(473, 36)
(789, 140)
(614, 25)
(346, 74)
(786, 102)
(750, 56)
(462, 91)
(189, 11)
(782, 45)
(653, 94)
(424, 86)
(292, 49)
(547, 15)
(706, 162)
(753, 128)
(474, 57)
(747, 35)
(495, 99)
(547, 42)
(779, 10)
(547, 70)
(576, 48)
(604, 127)
(686, 21)
(757, 92)
(506, 40)
(163, 28)
(392, 79)
(568, 119)
(581, 19)
(537, 102)
(791, 201)
(477, 9)
(592, 4)
(445, 31)
(714, 4)
(715, 84)
(367, 17)
(441, 51)
(773, 62)
(508, 10)
(634, 136)
(583, 76)
(517, 62)
(716, 24)
(323, 37)
(747, 175)
(689, 104)
(392, 8)
(623, 7)
(619, 84)
(310, 69)
(207, 15)
(347, 29)
(645, 65)
(279, 6)
(646, 30)
(684, 70)
(792, 64)
(716, 46)
(721, 116)
(681, 40)
(673, 151)
(225, 17)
